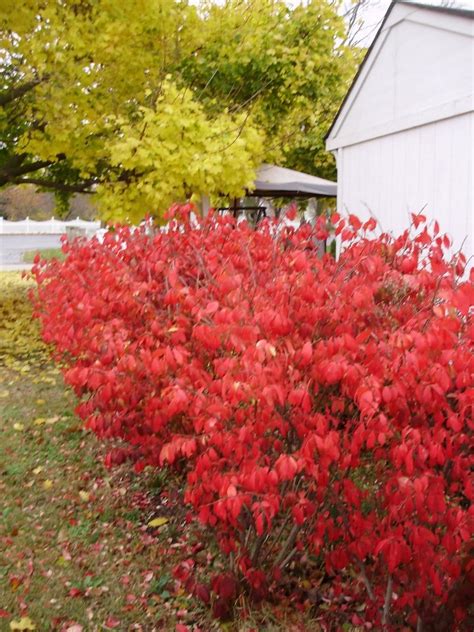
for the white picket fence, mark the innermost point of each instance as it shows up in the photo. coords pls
(47, 227)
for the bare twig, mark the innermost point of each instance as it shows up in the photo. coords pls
(365, 579)
(288, 558)
(277, 536)
(287, 546)
(208, 83)
(15, 93)
(388, 600)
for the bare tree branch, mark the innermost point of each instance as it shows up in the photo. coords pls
(18, 168)
(15, 93)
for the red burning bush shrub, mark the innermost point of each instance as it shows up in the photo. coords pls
(321, 410)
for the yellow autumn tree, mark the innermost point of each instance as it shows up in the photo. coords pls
(146, 102)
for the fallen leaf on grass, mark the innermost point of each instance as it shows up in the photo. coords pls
(39, 421)
(15, 582)
(84, 496)
(62, 561)
(4, 394)
(75, 628)
(18, 427)
(157, 522)
(47, 484)
(48, 380)
(66, 555)
(148, 576)
(38, 469)
(25, 623)
(112, 622)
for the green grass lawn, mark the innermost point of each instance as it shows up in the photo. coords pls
(46, 253)
(76, 552)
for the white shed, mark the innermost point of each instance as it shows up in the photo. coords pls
(404, 135)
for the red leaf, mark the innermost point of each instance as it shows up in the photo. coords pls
(417, 219)
(306, 353)
(259, 524)
(286, 467)
(355, 222)
(291, 212)
(202, 592)
(393, 557)
(409, 463)
(112, 622)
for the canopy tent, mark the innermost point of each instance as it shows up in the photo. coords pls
(273, 181)
(278, 182)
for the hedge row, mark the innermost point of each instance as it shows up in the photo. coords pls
(320, 412)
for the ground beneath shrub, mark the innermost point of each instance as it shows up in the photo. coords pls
(77, 551)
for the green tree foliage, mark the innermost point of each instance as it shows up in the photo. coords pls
(147, 102)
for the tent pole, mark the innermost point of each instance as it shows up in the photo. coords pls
(235, 207)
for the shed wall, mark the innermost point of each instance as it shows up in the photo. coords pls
(427, 168)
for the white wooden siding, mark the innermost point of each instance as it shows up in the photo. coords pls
(429, 167)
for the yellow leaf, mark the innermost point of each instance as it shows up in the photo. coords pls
(18, 427)
(40, 402)
(157, 522)
(47, 484)
(52, 420)
(38, 469)
(40, 421)
(62, 561)
(48, 380)
(84, 495)
(4, 394)
(25, 623)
